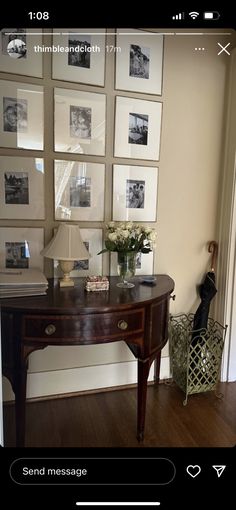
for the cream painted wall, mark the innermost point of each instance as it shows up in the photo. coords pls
(189, 167)
(191, 158)
(226, 299)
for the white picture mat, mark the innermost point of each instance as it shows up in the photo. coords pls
(64, 171)
(124, 149)
(146, 264)
(122, 173)
(94, 237)
(33, 236)
(32, 138)
(32, 65)
(64, 142)
(154, 43)
(94, 75)
(34, 168)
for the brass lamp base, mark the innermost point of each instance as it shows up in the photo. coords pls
(66, 267)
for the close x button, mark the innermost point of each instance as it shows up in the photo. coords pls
(223, 48)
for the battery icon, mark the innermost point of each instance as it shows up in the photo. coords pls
(211, 15)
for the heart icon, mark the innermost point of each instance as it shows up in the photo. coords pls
(193, 470)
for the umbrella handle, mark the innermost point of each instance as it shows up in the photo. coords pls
(213, 248)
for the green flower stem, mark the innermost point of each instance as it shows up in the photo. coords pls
(126, 264)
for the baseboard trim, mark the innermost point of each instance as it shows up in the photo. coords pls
(77, 381)
(74, 394)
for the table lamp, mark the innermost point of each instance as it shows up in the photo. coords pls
(66, 247)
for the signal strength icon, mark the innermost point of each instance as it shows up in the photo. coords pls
(193, 14)
(178, 16)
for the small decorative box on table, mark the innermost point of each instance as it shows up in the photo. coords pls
(96, 283)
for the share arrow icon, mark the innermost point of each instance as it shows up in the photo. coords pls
(219, 470)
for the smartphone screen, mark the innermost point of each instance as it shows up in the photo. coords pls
(123, 136)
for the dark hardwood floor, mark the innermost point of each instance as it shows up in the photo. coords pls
(109, 419)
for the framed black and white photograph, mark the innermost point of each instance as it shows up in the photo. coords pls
(137, 128)
(92, 238)
(139, 61)
(80, 122)
(21, 188)
(16, 188)
(79, 190)
(134, 193)
(82, 264)
(21, 115)
(20, 247)
(15, 115)
(21, 52)
(83, 58)
(144, 264)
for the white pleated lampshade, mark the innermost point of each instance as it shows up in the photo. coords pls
(67, 244)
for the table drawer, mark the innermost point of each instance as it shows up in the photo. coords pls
(83, 328)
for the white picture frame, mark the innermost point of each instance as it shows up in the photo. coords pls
(137, 128)
(79, 190)
(144, 264)
(21, 115)
(92, 238)
(80, 119)
(135, 193)
(20, 52)
(139, 61)
(21, 188)
(20, 247)
(80, 65)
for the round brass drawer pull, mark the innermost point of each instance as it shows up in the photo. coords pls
(122, 325)
(50, 329)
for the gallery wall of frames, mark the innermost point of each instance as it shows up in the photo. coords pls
(80, 135)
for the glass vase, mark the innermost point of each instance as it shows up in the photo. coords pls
(126, 268)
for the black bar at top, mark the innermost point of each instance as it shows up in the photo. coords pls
(97, 15)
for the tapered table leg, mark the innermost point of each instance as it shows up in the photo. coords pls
(157, 368)
(143, 371)
(20, 396)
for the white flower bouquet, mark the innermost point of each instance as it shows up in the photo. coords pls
(128, 236)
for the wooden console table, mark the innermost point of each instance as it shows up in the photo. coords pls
(72, 316)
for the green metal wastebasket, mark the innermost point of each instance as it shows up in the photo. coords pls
(195, 355)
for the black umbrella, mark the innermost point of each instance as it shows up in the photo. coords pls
(207, 291)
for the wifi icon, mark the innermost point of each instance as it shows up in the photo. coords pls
(193, 14)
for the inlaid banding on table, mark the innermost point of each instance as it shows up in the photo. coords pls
(76, 328)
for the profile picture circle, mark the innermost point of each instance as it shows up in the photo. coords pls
(16, 48)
